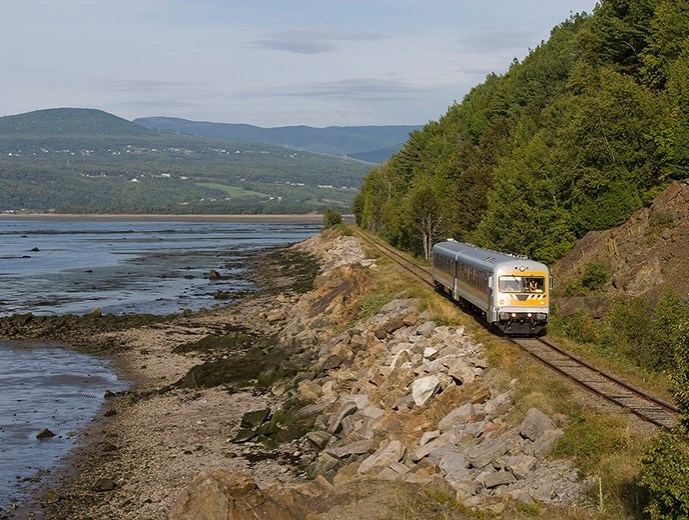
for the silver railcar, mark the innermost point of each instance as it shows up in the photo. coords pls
(511, 292)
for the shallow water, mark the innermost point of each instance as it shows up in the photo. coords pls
(44, 386)
(128, 267)
(120, 267)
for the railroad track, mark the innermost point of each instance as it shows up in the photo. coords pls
(609, 386)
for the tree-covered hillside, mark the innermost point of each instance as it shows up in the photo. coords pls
(89, 161)
(587, 128)
(367, 143)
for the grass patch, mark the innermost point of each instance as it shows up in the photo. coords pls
(372, 303)
(231, 191)
(589, 437)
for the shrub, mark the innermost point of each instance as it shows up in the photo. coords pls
(629, 322)
(665, 472)
(595, 276)
(680, 373)
(665, 475)
(331, 218)
(581, 327)
(666, 330)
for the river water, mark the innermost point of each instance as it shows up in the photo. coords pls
(54, 267)
(49, 267)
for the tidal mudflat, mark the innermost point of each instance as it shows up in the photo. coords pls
(50, 390)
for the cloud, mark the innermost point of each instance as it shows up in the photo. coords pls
(363, 88)
(138, 85)
(495, 39)
(312, 41)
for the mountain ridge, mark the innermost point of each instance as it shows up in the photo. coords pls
(330, 140)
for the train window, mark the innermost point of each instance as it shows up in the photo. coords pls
(509, 284)
(514, 284)
(534, 284)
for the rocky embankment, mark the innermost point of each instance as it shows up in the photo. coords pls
(322, 397)
(396, 400)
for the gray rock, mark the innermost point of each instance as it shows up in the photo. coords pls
(499, 405)
(430, 353)
(534, 424)
(319, 438)
(483, 454)
(372, 411)
(395, 471)
(351, 423)
(255, 418)
(322, 464)
(499, 478)
(455, 466)
(426, 328)
(384, 456)
(520, 465)
(424, 388)
(461, 372)
(312, 409)
(399, 304)
(545, 442)
(437, 454)
(335, 421)
(429, 436)
(353, 448)
(402, 357)
(460, 415)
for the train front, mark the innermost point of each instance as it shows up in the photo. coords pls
(521, 292)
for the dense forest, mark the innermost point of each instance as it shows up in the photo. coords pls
(573, 138)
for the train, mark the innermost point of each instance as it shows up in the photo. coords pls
(510, 292)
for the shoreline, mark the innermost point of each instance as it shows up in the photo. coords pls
(144, 367)
(306, 218)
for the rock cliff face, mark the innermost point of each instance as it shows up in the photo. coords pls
(645, 256)
(396, 405)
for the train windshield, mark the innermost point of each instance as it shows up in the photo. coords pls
(521, 284)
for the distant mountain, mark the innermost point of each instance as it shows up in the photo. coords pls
(69, 122)
(353, 141)
(75, 160)
(90, 129)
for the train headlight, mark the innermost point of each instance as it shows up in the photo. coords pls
(529, 315)
(514, 314)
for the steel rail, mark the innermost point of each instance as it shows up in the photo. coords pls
(609, 386)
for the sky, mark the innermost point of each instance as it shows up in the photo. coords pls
(264, 62)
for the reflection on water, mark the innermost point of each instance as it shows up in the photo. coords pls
(54, 267)
(43, 386)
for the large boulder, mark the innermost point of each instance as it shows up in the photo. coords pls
(221, 495)
(424, 388)
(534, 424)
(383, 457)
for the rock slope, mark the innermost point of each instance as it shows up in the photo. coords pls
(393, 398)
(645, 256)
